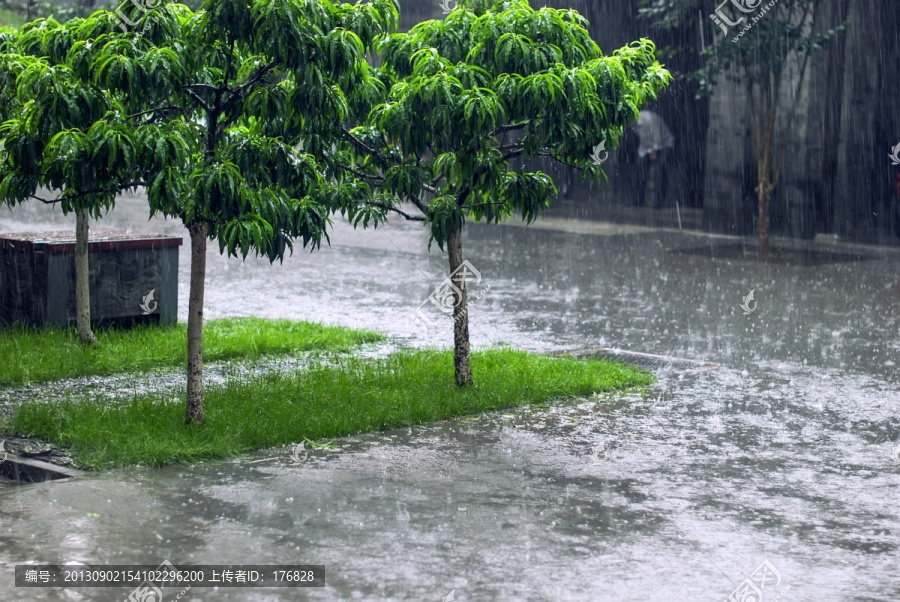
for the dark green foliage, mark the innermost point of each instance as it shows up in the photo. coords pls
(203, 109)
(56, 130)
(469, 97)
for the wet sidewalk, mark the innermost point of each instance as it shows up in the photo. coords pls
(782, 454)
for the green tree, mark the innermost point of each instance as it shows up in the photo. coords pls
(761, 42)
(468, 98)
(216, 104)
(55, 137)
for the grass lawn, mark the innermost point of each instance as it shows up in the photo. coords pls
(38, 355)
(323, 401)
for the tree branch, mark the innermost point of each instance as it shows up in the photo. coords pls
(412, 218)
(202, 86)
(224, 85)
(360, 174)
(238, 92)
(466, 190)
(116, 189)
(483, 205)
(365, 148)
(158, 110)
(507, 147)
(45, 201)
(197, 99)
(510, 128)
(431, 189)
(420, 205)
(515, 153)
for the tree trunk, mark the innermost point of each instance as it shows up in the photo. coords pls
(764, 189)
(194, 413)
(764, 221)
(461, 364)
(82, 280)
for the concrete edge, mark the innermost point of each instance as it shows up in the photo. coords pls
(624, 354)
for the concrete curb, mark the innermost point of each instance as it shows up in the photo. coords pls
(644, 360)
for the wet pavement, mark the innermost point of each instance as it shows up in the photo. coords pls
(784, 454)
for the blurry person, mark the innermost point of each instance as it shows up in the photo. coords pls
(656, 143)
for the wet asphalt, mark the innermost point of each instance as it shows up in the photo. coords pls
(783, 454)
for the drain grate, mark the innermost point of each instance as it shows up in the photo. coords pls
(648, 361)
(27, 470)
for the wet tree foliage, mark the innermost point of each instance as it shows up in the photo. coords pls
(468, 98)
(54, 138)
(55, 133)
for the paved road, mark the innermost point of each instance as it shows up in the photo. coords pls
(782, 455)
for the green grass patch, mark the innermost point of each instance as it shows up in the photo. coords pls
(38, 355)
(323, 401)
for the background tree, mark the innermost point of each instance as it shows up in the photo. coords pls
(216, 102)
(469, 98)
(761, 42)
(56, 138)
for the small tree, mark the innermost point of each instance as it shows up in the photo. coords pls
(215, 104)
(54, 137)
(761, 41)
(469, 98)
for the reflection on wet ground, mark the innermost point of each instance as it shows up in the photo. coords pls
(783, 454)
